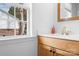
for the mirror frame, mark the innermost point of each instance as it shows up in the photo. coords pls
(58, 12)
(67, 19)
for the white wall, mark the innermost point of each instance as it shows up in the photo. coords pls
(19, 47)
(43, 17)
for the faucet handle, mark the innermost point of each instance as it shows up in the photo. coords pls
(68, 32)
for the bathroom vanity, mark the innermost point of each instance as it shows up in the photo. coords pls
(58, 45)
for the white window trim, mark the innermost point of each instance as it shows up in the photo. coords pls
(29, 20)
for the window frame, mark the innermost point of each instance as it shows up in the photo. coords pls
(28, 21)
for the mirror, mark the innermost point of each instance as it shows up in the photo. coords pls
(68, 11)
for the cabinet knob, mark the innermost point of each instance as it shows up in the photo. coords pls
(50, 50)
(54, 51)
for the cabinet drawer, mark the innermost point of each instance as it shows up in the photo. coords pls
(47, 41)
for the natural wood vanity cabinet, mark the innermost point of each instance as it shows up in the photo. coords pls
(62, 47)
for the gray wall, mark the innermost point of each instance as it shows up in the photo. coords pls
(19, 47)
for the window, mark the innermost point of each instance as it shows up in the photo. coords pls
(13, 19)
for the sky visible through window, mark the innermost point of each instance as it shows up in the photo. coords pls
(5, 6)
(3, 17)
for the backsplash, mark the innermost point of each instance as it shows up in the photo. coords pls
(73, 26)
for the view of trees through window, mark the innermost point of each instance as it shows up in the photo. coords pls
(18, 12)
(22, 24)
(15, 22)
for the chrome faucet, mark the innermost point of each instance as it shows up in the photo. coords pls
(65, 31)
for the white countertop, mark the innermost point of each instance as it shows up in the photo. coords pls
(68, 37)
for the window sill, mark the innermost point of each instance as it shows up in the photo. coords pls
(15, 37)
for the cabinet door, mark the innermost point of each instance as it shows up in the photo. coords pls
(63, 53)
(49, 51)
(41, 50)
(44, 50)
(58, 54)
